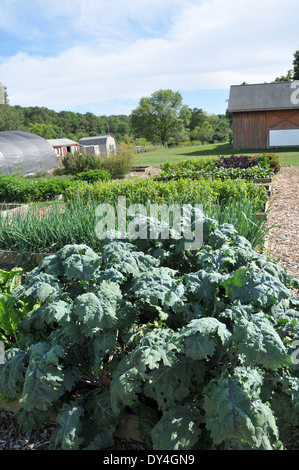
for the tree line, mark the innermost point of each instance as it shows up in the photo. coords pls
(166, 121)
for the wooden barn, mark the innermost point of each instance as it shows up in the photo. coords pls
(265, 116)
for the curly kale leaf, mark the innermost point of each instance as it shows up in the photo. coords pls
(202, 336)
(252, 380)
(178, 429)
(103, 343)
(203, 287)
(159, 346)
(51, 265)
(262, 264)
(159, 287)
(40, 286)
(92, 314)
(258, 340)
(237, 420)
(81, 267)
(223, 234)
(52, 314)
(71, 263)
(126, 260)
(250, 287)
(223, 259)
(101, 423)
(66, 436)
(44, 377)
(125, 386)
(285, 311)
(76, 249)
(169, 386)
(110, 295)
(12, 372)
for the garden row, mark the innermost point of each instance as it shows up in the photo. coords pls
(43, 229)
(19, 189)
(234, 167)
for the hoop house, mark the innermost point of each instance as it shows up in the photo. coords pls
(22, 152)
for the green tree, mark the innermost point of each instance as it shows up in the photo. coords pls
(285, 78)
(292, 74)
(47, 131)
(198, 116)
(10, 119)
(296, 65)
(158, 118)
(203, 133)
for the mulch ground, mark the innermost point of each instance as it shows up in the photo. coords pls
(283, 238)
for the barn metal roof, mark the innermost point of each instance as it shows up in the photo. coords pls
(263, 97)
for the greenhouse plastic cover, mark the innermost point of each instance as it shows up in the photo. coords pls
(22, 152)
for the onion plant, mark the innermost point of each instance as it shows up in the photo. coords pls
(45, 228)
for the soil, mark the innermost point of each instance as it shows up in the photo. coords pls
(282, 246)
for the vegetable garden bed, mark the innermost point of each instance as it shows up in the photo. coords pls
(199, 336)
(180, 341)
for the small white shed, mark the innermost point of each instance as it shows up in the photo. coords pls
(103, 145)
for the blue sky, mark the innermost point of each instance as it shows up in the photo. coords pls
(102, 56)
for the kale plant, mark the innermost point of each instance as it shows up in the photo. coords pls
(199, 344)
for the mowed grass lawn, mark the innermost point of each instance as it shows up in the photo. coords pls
(287, 156)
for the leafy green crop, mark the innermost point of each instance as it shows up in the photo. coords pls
(199, 344)
(222, 173)
(10, 312)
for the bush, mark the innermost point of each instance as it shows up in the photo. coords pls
(93, 175)
(18, 189)
(78, 162)
(120, 164)
(269, 160)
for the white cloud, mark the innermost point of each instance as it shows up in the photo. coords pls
(123, 50)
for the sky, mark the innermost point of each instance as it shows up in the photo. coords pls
(103, 56)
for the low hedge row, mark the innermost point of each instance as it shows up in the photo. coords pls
(18, 189)
(143, 191)
(140, 190)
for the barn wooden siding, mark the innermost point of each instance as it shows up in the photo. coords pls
(251, 129)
